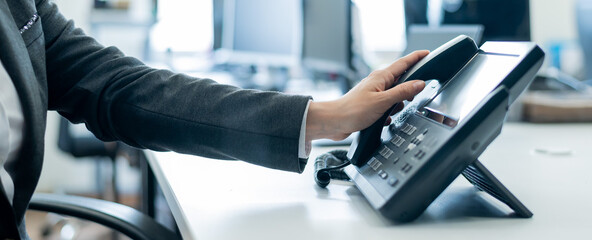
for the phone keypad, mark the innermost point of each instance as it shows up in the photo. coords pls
(409, 139)
(403, 155)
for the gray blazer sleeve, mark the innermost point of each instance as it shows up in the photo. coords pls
(119, 98)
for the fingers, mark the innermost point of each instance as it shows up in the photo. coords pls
(385, 78)
(403, 91)
(400, 66)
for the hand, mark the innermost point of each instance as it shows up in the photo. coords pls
(363, 104)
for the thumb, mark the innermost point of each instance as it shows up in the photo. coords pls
(404, 91)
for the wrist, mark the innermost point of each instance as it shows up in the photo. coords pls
(323, 121)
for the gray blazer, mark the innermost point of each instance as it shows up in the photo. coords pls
(54, 66)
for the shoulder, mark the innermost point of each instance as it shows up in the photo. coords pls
(22, 11)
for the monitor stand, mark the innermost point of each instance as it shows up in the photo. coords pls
(484, 180)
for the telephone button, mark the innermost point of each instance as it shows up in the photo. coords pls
(397, 140)
(408, 129)
(385, 152)
(400, 142)
(412, 130)
(374, 163)
(411, 146)
(382, 174)
(417, 153)
(406, 168)
(371, 162)
(393, 181)
(417, 140)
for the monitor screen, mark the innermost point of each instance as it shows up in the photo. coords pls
(425, 37)
(469, 87)
(503, 20)
(416, 12)
(262, 31)
(327, 34)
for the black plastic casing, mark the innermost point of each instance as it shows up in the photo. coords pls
(448, 150)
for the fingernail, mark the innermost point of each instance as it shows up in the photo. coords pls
(418, 86)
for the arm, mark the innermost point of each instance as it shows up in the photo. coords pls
(118, 98)
(365, 103)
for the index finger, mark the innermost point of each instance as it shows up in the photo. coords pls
(400, 66)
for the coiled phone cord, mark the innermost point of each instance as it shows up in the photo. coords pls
(330, 166)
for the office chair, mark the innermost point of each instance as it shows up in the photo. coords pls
(79, 142)
(121, 218)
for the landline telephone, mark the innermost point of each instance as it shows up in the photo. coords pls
(403, 167)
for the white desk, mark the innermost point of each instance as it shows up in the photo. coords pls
(212, 199)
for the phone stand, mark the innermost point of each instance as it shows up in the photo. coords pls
(484, 180)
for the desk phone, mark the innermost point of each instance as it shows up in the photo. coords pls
(441, 133)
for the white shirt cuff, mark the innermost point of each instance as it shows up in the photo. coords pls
(303, 145)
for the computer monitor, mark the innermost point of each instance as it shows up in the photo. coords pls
(327, 39)
(416, 12)
(503, 20)
(420, 37)
(262, 32)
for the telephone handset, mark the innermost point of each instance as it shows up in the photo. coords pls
(441, 133)
(441, 64)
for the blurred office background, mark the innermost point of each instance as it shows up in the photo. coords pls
(316, 47)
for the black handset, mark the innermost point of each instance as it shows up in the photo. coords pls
(441, 64)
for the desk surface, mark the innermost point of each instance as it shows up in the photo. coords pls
(546, 166)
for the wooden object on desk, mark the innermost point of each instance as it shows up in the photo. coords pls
(553, 106)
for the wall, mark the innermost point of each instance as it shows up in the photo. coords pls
(552, 20)
(553, 24)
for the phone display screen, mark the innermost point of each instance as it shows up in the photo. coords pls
(459, 96)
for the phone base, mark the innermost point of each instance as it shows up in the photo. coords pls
(484, 180)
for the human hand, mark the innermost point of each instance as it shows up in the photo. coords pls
(363, 104)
